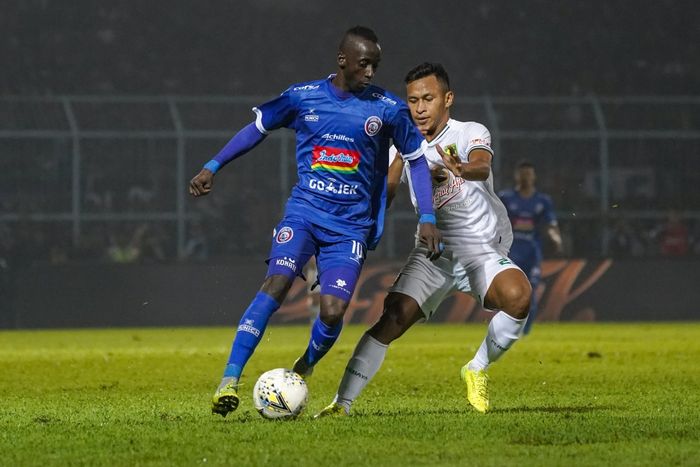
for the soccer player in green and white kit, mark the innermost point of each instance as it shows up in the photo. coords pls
(476, 233)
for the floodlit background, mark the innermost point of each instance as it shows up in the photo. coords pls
(107, 109)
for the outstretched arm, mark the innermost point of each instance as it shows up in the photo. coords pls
(477, 169)
(241, 143)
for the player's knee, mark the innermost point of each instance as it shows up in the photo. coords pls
(332, 310)
(516, 299)
(277, 286)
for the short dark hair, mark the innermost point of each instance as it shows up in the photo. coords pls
(525, 164)
(358, 31)
(428, 69)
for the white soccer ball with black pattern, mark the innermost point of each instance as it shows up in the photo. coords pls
(280, 393)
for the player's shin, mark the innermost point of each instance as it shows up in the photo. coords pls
(503, 331)
(250, 330)
(322, 339)
(363, 365)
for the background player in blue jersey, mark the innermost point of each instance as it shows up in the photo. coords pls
(529, 212)
(343, 128)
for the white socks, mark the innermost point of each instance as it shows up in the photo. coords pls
(503, 331)
(364, 364)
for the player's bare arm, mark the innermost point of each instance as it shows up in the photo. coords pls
(477, 169)
(202, 183)
(394, 178)
(554, 235)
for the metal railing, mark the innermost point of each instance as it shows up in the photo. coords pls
(588, 129)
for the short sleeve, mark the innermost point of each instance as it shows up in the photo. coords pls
(406, 136)
(474, 136)
(277, 113)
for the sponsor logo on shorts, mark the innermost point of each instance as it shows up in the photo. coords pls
(284, 235)
(504, 261)
(372, 125)
(248, 326)
(340, 284)
(333, 159)
(287, 263)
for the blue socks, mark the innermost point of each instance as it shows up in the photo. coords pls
(250, 331)
(322, 339)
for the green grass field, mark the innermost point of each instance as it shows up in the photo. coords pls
(570, 394)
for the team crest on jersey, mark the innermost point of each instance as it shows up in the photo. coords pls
(284, 235)
(335, 159)
(451, 149)
(372, 125)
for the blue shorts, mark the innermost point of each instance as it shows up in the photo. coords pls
(339, 256)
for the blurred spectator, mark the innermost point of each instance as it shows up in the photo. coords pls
(197, 245)
(623, 240)
(125, 246)
(672, 236)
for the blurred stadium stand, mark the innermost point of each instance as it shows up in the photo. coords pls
(108, 108)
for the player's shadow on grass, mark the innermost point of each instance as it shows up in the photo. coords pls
(463, 410)
(552, 409)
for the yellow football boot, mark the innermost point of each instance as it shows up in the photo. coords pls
(225, 398)
(333, 410)
(477, 388)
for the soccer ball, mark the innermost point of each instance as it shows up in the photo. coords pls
(280, 393)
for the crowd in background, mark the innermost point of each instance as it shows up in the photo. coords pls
(50, 47)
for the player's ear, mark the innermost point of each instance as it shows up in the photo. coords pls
(342, 60)
(449, 98)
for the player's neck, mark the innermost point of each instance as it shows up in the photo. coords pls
(438, 131)
(340, 88)
(525, 192)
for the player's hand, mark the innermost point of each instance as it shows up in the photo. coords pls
(432, 238)
(451, 161)
(201, 184)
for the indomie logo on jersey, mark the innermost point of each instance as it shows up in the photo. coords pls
(335, 159)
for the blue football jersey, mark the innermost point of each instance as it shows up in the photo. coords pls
(342, 145)
(528, 215)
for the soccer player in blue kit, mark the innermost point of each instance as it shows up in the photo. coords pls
(343, 128)
(528, 211)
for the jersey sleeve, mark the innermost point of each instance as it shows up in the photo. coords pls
(406, 136)
(549, 217)
(393, 153)
(277, 113)
(474, 136)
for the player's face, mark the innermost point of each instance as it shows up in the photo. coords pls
(525, 177)
(430, 103)
(358, 63)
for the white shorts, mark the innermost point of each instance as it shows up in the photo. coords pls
(431, 282)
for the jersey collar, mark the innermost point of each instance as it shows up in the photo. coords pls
(437, 139)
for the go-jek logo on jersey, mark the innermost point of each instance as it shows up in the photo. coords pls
(335, 159)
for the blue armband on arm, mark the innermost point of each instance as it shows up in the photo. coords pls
(241, 143)
(423, 189)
